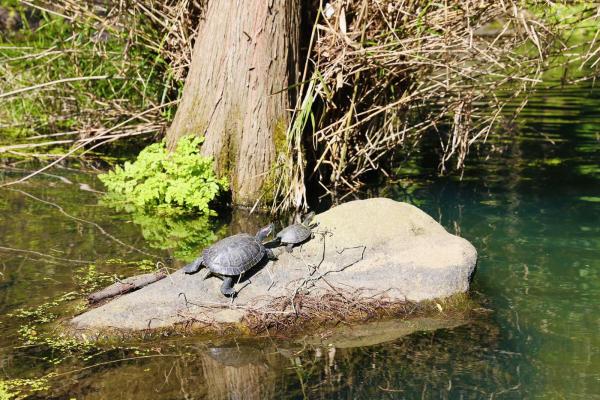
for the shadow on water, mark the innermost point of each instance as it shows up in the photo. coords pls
(532, 209)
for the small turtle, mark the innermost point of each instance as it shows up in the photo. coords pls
(232, 256)
(296, 233)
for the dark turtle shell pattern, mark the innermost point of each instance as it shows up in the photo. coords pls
(294, 234)
(233, 255)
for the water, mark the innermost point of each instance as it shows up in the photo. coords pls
(532, 211)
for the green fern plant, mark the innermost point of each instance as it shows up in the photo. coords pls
(179, 180)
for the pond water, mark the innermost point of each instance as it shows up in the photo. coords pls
(532, 211)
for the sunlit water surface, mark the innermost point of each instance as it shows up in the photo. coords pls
(533, 212)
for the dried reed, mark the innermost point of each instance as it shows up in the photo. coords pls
(143, 48)
(386, 73)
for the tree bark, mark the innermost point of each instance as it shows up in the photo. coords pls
(244, 59)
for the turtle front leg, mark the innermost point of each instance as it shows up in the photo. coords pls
(227, 287)
(289, 247)
(194, 266)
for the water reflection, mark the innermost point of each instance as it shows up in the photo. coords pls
(528, 212)
(190, 371)
(239, 373)
(465, 362)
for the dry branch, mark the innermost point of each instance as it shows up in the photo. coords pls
(46, 84)
(158, 30)
(126, 285)
(380, 76)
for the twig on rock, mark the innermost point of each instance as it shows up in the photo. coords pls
(126, 285)
(312, 278)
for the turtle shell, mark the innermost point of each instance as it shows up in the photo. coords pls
(294, 234)
(233, 255)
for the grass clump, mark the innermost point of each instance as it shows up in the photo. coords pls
(91, 73)
(181, 180)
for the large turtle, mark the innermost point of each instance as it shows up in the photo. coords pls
(232, 256)
(296, 233)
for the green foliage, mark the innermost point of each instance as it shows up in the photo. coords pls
(88, 279)
(146, 266)
(35, 330)
(181, 180)
(22, 388)
(5, 393)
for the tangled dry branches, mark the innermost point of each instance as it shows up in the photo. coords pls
(380, 76)
(385, 73)
(328, 309)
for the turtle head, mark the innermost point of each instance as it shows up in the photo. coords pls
(263, 233)
(308, 218)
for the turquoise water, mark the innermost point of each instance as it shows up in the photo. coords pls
(532, 210)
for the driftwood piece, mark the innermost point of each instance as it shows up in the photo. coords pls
(126, 285)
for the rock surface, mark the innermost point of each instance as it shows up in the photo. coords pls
(376, 248)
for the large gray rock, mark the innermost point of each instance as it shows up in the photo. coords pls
(369, 249)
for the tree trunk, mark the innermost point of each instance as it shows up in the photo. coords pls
(245, 57)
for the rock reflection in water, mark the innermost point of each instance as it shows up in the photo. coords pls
(466, 362)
